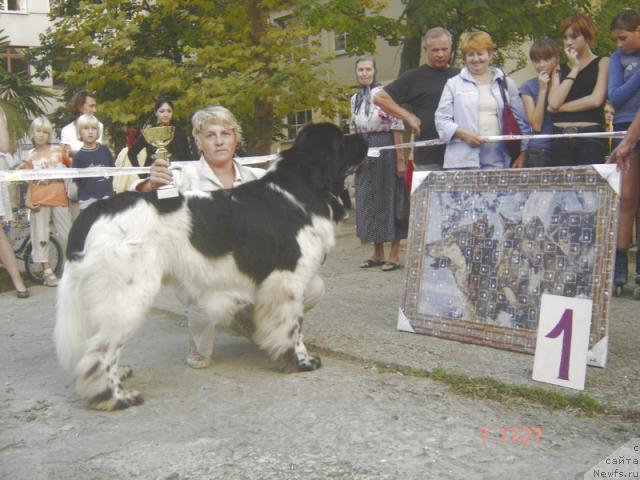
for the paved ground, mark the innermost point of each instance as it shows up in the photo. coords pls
(241, 419)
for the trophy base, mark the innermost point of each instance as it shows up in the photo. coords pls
(168, 191)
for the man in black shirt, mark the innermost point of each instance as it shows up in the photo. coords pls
(421, 88)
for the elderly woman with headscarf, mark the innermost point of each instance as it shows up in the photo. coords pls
(377, 189)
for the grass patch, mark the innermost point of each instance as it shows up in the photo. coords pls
(485, 388)
(490, 388)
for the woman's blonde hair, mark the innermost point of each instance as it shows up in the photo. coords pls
(86, 120)
(476, 41)
(40, 123)
(214, 115)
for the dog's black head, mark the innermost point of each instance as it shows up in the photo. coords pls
(324, 156)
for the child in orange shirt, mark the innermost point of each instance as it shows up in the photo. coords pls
(47, 199)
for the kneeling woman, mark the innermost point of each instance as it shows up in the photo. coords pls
(217, 134)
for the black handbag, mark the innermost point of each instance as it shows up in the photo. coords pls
(402, 206)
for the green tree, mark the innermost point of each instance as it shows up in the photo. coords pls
(509, 23)
(20, 99)
(602, 16)
(198, 52)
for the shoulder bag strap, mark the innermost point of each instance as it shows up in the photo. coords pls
(501, 84)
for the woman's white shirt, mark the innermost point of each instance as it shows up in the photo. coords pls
(488, 123)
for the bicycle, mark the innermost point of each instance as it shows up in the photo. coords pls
(19, 233)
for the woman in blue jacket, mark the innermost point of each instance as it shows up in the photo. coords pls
(471, 108)
(624, 96)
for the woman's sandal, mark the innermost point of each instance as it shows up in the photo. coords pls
(23, 293)
(370, 263)
(390, 266)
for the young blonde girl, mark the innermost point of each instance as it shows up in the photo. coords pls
(47, 199)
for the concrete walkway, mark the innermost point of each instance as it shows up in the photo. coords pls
(352, 419)
(357, 318)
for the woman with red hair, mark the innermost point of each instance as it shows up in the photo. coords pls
(578, 94)
(471, 108)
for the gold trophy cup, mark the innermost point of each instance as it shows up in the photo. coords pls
(160, 137)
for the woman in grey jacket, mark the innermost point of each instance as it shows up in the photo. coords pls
(471, 108)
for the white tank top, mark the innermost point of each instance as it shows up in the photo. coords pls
(488, 112)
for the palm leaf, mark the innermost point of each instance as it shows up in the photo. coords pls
(20, 99)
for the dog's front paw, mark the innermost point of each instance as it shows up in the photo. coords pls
(129, 398)
(117, 399)
(309, 363)
(291, 362)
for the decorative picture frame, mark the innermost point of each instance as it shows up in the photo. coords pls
(484, 245)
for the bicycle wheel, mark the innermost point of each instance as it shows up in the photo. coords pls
(34, 270)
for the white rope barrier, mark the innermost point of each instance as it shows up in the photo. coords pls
(375, 152)
(28, 175)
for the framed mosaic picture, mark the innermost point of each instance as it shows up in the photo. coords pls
(484, 245)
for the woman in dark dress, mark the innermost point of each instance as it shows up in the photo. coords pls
(377, 180)
(178, 148)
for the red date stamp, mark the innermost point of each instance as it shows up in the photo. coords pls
(513, 436)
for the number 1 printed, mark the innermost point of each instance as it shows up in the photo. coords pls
(564, 327)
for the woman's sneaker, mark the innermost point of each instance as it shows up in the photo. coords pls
(621, 271)
(50, 279)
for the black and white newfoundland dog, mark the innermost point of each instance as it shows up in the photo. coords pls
(258, 244)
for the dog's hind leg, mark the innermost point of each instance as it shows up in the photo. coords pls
(116, 318)
(278, 316)
(98, 378)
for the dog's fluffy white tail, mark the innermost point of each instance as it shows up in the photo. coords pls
(71, 331)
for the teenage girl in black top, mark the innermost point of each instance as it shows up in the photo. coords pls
(178, 148)
(577, 95)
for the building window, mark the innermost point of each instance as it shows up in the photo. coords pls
(291, 24)
(13, 60)
(58, 67)
(340, 42)
(13, 6)
(295, 121)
